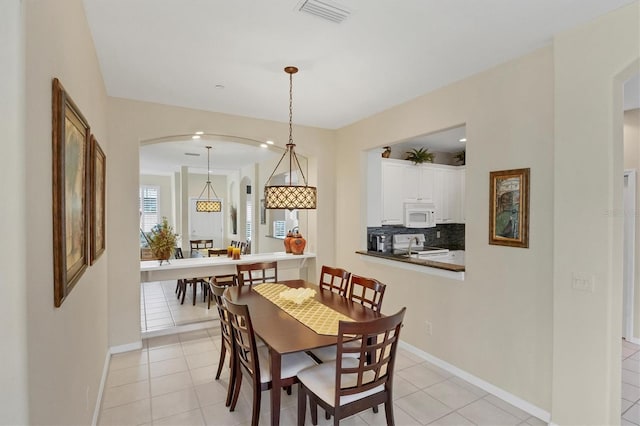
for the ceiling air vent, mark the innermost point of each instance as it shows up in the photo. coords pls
(325, 9)
(192, 154)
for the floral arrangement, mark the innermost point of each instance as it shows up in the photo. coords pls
(298, 295)
(162, 240)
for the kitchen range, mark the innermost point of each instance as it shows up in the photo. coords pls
(413, 248)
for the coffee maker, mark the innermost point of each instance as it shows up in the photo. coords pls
(377, 242)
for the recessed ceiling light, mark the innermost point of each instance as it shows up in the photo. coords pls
(263, 145)
(270, 142)
(199, 133)
(195, 137)
(462, 140)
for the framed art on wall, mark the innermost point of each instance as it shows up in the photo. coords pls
(98, 186)
(509, 208)
(70, 140)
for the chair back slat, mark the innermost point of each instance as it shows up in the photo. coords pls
(335, 280)
(225, 324)
(227, 280)
(253, 273)
(244, 338)
(200, 244)
(368, 292)
(378, 343)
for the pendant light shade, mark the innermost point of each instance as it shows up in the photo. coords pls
(290, 196)
(209, 205)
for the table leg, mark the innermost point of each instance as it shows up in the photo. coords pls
(276, 387)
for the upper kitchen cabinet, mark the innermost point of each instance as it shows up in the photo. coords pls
(393, 191)
(403, 182)
(418, 181)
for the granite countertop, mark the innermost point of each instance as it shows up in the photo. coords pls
(403, 258)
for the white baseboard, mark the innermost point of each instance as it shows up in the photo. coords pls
(634, 340)
(126, 348)
(486, 386)
(103, 379)
(181, 329)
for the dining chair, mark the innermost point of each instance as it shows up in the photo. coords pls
(253, 361)
(178, 255)
(335, 280)
(366, 291)
(253, 273)
(350, 385)
(217, 291)
(224, 281)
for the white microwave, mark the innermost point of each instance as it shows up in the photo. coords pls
(419, 215)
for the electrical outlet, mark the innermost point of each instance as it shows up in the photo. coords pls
(437, 234)
(583, 282)
(428, 328)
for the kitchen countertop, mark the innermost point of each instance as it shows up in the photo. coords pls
(424, 262)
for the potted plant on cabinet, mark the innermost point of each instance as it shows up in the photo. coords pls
(162, 240)
(420, 155)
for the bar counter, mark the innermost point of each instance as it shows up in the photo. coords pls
(289, 265)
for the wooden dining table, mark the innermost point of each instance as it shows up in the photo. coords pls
(284, 334)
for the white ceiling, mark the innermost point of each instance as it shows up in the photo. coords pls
(385, 53)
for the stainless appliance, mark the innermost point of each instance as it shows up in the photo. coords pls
(419, 215)
(414, 244)
(377, 242)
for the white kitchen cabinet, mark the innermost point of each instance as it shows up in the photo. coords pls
(393, 192)
(418, 183)
(403, 181)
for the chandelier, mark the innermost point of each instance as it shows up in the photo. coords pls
(290, 196)
(209, 205)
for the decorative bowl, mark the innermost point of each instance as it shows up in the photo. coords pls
(298, 295)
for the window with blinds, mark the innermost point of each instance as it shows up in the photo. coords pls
(149, 207)
(249, 219)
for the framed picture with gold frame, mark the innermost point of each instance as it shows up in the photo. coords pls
(70, 140)
(509, 208)
(98, 186)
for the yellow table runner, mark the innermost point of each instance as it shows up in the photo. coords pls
(318, 317)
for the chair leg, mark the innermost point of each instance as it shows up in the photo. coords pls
(288, 389)
(223, 353)
(388, 411)
(177, 286)
(237, 384)
(232, 379)
(255, 411)
(327, 415)
(313, 407)
(184, 291)
(375, 409)
(195, 290)
(302, 405)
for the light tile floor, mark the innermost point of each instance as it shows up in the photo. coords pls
(630, 384)
(161, 309)
(171, 382)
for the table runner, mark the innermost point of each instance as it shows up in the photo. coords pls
(313, 314)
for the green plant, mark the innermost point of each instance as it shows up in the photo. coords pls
(460, 157)
(420, 155)
(162, 239)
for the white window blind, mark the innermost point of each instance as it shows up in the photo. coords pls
(149, 207)
(249, 219)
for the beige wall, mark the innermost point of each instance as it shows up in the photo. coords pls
(129, 123)
(631, 140)
(13, 333)
(591, 64)
(67, 345)
(497, 324)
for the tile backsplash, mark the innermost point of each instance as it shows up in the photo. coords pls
(451, 235)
